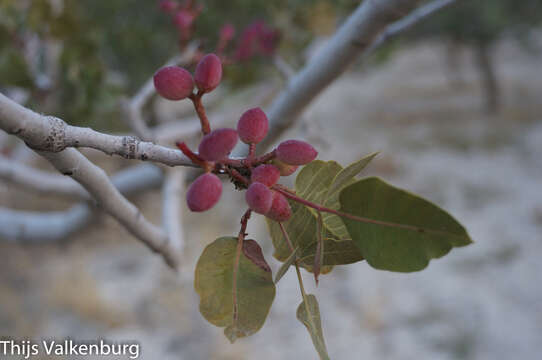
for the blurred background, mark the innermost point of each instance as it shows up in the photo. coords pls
(453, 105)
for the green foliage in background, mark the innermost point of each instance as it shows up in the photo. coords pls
(109, 48)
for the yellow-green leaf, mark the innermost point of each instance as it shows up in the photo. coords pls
(241, 310)
(312, 184)
(345, 177)
(314, 179)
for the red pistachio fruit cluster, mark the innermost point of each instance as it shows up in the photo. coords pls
(258, 175)
(177, 83)
(261, 196)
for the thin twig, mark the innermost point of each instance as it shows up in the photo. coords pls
(355, 37)
(200, 110)
(407, 22)
(283, 67)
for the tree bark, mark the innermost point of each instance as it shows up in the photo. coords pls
(488, 77)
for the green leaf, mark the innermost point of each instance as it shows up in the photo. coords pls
(312, 183)
(301, 228)
(214, 284)
(308, 313)
(335, 253)
(344, 178)
(314, 179)
(401, 231)
(286, 265)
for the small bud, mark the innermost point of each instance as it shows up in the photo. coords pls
(208, 73)
(167, 5)
(284, 169)
(280, 208)
(253, 126)
(218, 144)
(265, 174)
(183, 20)
(204, 192)
(259, 198)
(227, 32)
(296, 152)
(173, 82)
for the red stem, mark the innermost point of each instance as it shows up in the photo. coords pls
(251, 151)
(233, 162)
(244, 223)
(249, 163)
(240, 240)
(285, 188)
(264, 158)
(236, 175)
(200, 110)
(195, 158)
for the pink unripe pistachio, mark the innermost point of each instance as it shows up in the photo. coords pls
(265, 174)
(253, 126)
(173, 82)
(208, 73)
(218, 144)
(259, 198)
(204, 192)
(227, 32)
(280, 208)
(284, 169)
(183, 20)
(296, 152)
(167, 5)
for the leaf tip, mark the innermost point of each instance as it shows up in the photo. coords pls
(230, 334)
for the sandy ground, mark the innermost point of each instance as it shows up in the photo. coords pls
(479, 302)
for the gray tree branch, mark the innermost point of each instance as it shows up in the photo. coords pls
(352, 39)
(39, 227)
(74, 164)
(43, 182)
(51, 134)
(172, 214)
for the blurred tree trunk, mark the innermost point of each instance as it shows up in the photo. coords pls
(453, 59)
(488, 76)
